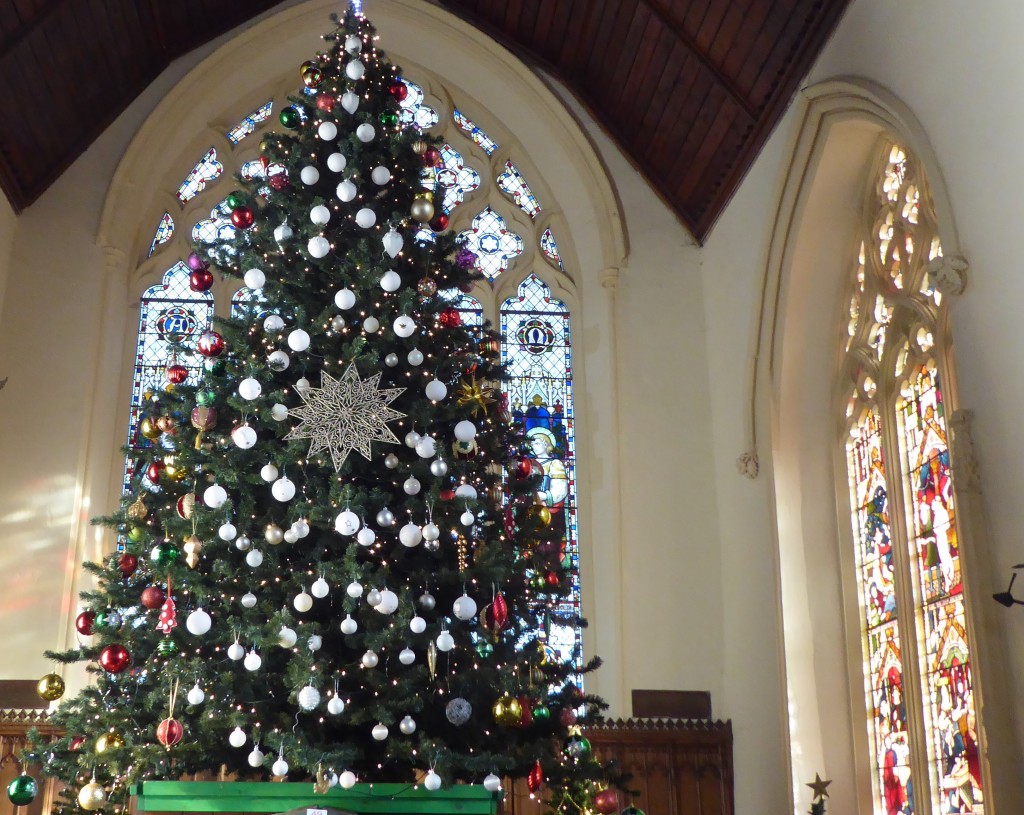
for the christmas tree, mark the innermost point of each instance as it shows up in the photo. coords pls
(332, 562)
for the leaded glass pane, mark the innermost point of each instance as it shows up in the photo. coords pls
(414, 112)
(208, 169)
(537, 354)
(218, 227)
(494, 246)
(488, 144)
(249, 124)
(549, 247)
(455, 179)
(511, 181)
(164, 232)
(247, 302)
(169, 309)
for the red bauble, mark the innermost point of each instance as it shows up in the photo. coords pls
(496, 613)
(552, 579)
(264, 163)
(450, 317)
(185, 505)
(526, 714)
(432, 157)
(127, 563)
(242, 217)
(535, 778)
(211, 344)
(84, 623)
(523, 468)
(606, 802)
(153, 471)
(200, 279)
(399, 91)
(447, 495)
(152, 597)
(440, 223)
(176, 374)
(76, 744)
(567, 718)
(115, 658)
(169, 732)
(325, 103)
(466, 286)
(278, 181)
(204, 418)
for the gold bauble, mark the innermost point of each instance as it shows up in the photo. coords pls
(50, 688)
(148, 429)
(111, 740)
(138, 510)
(166, 424)
(422, 208)
(507, 711)
(92, 796)
(172, 470)
(541, 513)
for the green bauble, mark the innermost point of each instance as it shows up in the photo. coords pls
(541, 713)
(165, 553)
(167, 647)
(484, 649)
(206, 398)
(235, 200)
(109, 619)
(22, 790)
(290, 117)
(577, 747)
(537, 582)
(215, 366)
(136, 534)
(389, 118)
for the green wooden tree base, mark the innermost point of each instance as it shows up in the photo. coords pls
(264, 796)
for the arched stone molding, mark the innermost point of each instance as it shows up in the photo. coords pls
(795, 402)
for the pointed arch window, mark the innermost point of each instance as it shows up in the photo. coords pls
(917, 667)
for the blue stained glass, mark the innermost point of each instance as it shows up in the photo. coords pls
(537, 354)
(414, 112)
(208, 169)
(550, 248)
(249, 124)
(247, 302)
(511, 181)
(217, 227)
(164, 232)
(495, 246)
(488, 144)
(171, 305)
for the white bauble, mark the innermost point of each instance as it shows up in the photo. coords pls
(320, 589)
(335, 706)
(407, 725)
(309, 175)
(336, 162)
(373, 596)
(466, 492)
(410, 535)
(407, 656)
(347, 522)
(227, 532)
(254, 279)
(385, 517)
(309, 697)
(284, 490)
(279, 767)
(196, 695)
(244, 437)
(303, 602)
(393, 242)
(467, 518)
(433, 781)
(415, 357)
(249, 600)
(426, 447)
(332, 779)
(412, 485)
(279, 360)
(390, 280)
(427, 601)
(464, 607)
(290, 535)
(347, 780)
(391, 360)
(381, 175)
(417, 625)
(318, 246)
(302, 385)
(348, 625)
(436, 390)
(391, 461)
(287, 637)
(215, 496)
(353, 45)
(283, 233)
(242, 543)
(404, 326)
(355, 70)
(345, 299)
(236, 651)
(366, 218)
(431, 531)
(269, 472)
(327, 131)
(366, 536)
(320, 215)
(350, 102)
(315, 642)
(492, 783)
(380, 731)
(250, 389)
(273, 323)
(371, 325)
(388, 602)
(279, 412)
(445, 641)
(256, 757)
(412, 438)
(198, 622)
(298, 340)
(365, 132)
(438, 467)
(465, 431)
(252, 661)
(254, 558)
(301, 528)
(370, 659)
(237, 737)
(346, 191)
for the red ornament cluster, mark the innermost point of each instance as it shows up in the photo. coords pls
(115, 658)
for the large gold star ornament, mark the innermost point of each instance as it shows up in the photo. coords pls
(819, 787)
(471, 395)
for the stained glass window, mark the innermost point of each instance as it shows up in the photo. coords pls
(246, 302)
(488, 144)
(511, 181)
(217, 227)
(169, 311)
(455, 179)
(549, 247)
(414, 112)
(494, 245)
(890, 343)
(164, 232)
(208, 169)
(249, 124)
(537, 353)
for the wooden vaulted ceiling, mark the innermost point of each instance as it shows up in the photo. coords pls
(690, 89)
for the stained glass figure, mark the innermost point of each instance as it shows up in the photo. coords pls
(494, 245)
(164, 232)
(218, 227)
(249, 124)
(414, 112)
(169, 312)
(208, 169)
(537, 354)
(455, 179)
(511, 181)
(488, 144)
(550, 248)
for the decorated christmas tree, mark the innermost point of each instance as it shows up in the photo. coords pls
(334, 561)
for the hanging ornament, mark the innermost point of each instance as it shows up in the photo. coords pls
(541, 712)
(450, 317)
(237, 737)
(535, 778)
(440, 223)
(242, 217)
(474, 397)
(577, 747)
(236, 651)
(392, 242)
(431, 157)
(290, 117)
(492, 783)
(84, 623)
(303, 602)
(445, 641)
(167, 647)
(507, 710)
(22, 790)
(398, 90)
(115, 658)
(256, 757)
(50, 688)
(168, 618)
(606, 801)
(320, 588)
(109, 619)
(111, 740)
(169, 732)
(196, 695)
(432, 658)
(176, 374)
(280, 767)
(335, 706)
(308, 698)
(407, 656)
(193, 548)
(464, 607)
(91, 796)
(380, 731)
(417, 625)
(458, 711)
(422, 208)
(252, 661)
(198, 622)
(200, 280)
(432, 781)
